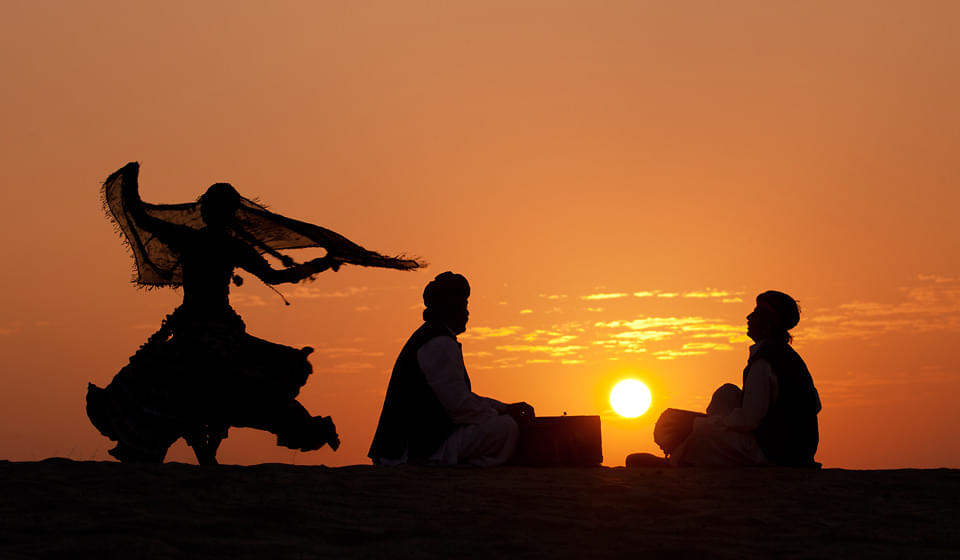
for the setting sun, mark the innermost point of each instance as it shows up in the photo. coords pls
(630, 398)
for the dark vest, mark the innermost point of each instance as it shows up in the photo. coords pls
(412, 419)
(788, 434)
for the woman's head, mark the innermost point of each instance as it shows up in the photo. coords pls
(219, 204)
(773, 317)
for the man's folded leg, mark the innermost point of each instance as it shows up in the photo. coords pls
(487, 444)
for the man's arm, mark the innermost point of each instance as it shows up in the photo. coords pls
(758, 391)
(441, 361)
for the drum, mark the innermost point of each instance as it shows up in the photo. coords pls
(560, 441)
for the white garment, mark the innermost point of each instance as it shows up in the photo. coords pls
(487, 444)
(726, 439)
(441, 361)
(760, 390)
(484, 437)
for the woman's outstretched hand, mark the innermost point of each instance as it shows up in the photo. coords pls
(323, 263)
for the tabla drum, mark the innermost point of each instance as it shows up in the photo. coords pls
(673, 427)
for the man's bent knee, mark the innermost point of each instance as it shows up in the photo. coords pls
(507, 427)
(491, 442)
(726, 398)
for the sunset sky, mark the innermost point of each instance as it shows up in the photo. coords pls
(617, 180)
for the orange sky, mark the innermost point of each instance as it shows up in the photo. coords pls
(616, 181)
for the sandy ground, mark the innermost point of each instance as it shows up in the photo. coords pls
(64, 509)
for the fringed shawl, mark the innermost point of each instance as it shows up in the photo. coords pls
(158, 264)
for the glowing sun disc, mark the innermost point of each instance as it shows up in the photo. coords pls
(630, 398)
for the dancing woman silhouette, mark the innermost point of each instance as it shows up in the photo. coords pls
(201, 373)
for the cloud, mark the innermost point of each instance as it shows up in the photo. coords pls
(626, 346)
(733, 333)
(537, 334)
(593, 297)
(643, 335)
(6, 331)
(932, 306)
(240, 299)
(341, 351)
(635, 335)
(542, 349)
(551, 336)
(562, 339)
(668, 337)
(337, 350)
(673, 354)
(507, 362)
(706, 346)
(707, 294)
(825, 318)
(870, 388)
(652, 322)
(313, 292)
(352, 366)
(937, 279)
(932, 302)
(558, 334)
(481, 333)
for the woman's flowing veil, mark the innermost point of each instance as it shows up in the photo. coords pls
(158, 264)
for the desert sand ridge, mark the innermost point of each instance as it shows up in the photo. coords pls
(59, 508)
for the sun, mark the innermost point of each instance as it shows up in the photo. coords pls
(630, 398)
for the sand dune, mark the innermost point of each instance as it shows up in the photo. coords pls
(63, 509)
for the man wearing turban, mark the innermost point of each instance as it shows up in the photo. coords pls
(772, 420)
(430, 413)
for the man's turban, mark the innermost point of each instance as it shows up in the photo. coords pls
(446, 289)
(785, 307)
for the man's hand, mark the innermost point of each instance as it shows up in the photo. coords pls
(520, 411)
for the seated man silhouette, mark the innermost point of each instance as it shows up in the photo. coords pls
(771, 421)
(430, 414)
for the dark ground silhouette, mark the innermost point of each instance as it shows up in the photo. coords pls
(64, 509)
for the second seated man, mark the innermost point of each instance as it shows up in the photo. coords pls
(430, 414)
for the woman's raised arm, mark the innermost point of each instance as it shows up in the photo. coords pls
(253, 263)
(172, 234)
